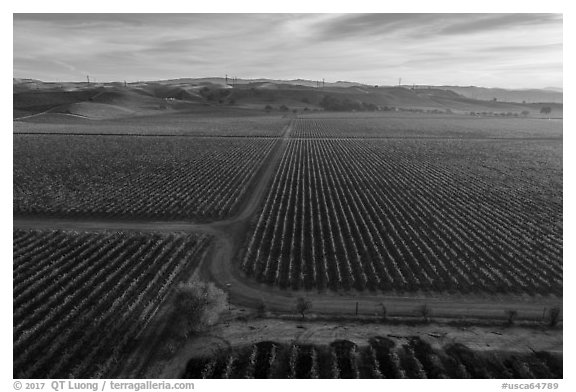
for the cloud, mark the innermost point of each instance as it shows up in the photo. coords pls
(491, 22)
(371, 48)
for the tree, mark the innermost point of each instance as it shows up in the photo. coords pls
(261, 308)
(268, 108)
(425, 311)
(303, 305)
(383, 312)
(284, 108)
(197, 306)
(546, 110)
(511, 315)
(525, 113)
(554, 316)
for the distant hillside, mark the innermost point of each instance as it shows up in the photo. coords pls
(238, 81)
(97, 101)
(488, 94)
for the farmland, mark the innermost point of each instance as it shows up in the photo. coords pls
(353, 212)
(402, 125)
(236, 124)
(379, 357)
(80, 298)
(412, 215)
(134, 176)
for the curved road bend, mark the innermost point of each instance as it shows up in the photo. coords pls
(228, 239)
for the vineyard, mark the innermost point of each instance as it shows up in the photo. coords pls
(380, 358)
(173, 125)
(412, 215)
(136, 177)
(413, 126)
(81, 298)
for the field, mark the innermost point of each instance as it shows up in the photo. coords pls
(236, 124)
(357, 213)
(412, 215)
(379, 358)
(175, 177)
(402, 125)
(81, 297)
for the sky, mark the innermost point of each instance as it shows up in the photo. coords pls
(489, 50)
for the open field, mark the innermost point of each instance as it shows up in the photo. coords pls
(80, 298)
(411, 215)
(133, 176)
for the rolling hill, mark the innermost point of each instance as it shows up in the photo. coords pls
(113, 100)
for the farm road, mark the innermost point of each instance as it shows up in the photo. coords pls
(229, 234)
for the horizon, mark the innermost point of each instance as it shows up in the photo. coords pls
(481, 50)
(547, 88)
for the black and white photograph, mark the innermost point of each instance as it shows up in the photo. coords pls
(286, 196)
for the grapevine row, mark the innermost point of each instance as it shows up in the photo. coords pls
(343, 214)
(96, 292)
(151, 177)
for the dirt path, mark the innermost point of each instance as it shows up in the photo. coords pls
(229, 236)
(481, 338)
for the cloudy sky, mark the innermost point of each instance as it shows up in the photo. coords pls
(492, 50)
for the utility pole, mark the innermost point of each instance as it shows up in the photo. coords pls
(88, 78)
(322, 82)
(226, 79)
(399, 82)
(124, 83)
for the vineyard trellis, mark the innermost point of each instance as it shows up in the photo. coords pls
(79, 298)
(391, 215)
(378, 358)
(173, 177)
